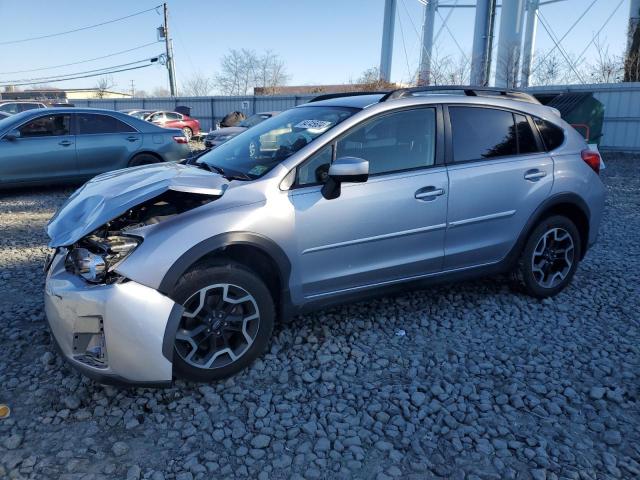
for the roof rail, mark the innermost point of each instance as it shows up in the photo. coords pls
(328, 96)
(468, 90)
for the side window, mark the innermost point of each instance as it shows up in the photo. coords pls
(156, 117)
(47, 126)
(552, 135)
(315, 169)
(482, 133)
(27, 106)
(393, 142)
(173, 116)
(9, 108)
(526, 139)
(92, 124)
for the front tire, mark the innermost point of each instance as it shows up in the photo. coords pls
(550, 257)
(143, 159)
(227, 322)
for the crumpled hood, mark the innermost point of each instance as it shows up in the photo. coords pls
(111, 194)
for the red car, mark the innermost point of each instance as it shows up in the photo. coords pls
(189, 126)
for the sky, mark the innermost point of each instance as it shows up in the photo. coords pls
(321, 41)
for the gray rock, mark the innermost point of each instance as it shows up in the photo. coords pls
(612, 437)
(261, 441)
(119, 449)
(13, 441)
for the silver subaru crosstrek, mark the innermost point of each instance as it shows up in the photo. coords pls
(181, 270)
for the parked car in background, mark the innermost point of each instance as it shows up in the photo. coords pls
(189, 126)
(74, 144)
(221, 135)
(186, 275)
(141, 114)
(19, 106)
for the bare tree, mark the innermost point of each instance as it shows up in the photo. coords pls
(104, 84)
(238, 71)
(270, 72)
(160, 92)
(197, 86)
(243, 70)
(446, 70)
(549, 68)
(606, 68)
(140, 94)
(370, 80)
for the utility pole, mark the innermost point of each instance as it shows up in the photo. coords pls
(169, 49)
(482, 42)
(529, 41)
(133, 88)
(632, 60)
(386, 52)
(424, 75)
(509, 42)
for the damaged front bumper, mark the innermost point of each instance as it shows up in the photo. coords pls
(121, 333)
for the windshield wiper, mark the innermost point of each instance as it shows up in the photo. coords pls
(220, 170)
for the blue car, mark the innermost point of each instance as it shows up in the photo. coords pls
(69, 145)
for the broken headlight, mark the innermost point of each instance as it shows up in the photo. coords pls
(93, 258)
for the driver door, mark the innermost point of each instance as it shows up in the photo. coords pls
(391, 227)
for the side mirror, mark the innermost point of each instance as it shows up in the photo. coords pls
(13, 135)
(344, 169)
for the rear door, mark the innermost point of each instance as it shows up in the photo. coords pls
(498, 175)
(104, 143)
(44, 150)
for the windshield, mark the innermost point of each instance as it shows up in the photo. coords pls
(256, 151)
(253, 120)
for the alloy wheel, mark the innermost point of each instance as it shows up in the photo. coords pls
(219, 325)
(553, 257)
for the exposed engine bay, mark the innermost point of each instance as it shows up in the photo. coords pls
(95, 256)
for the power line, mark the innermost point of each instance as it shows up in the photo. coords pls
(45, 79)
(74, 78)
(22, 40)
(404, 46)
(81, 61)
(570, 29)
(543, 22)
(599, 31)
(453, 37)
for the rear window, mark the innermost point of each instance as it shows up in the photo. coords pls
(93, 124)
(552, 135)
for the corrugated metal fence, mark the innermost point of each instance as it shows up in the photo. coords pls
(208, 110)
(621, 129)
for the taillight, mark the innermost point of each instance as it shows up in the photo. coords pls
(180, 139)
(592, 159)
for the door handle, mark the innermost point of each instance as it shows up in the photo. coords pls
(132, 139)
(65, 143)
(534, 175)
(429, 193)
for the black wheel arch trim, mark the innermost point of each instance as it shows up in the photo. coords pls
(538, 214)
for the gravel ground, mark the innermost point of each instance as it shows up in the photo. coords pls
(465, 381)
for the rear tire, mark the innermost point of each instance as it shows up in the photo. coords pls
(550, 257)
(188, 133)
(227, 324)
(143, 159)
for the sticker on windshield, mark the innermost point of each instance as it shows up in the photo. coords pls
(315, 124)
(258, 170)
